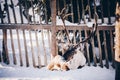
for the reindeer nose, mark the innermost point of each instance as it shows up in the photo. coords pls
(54, 70)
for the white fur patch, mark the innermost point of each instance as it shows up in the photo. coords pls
(77, 60)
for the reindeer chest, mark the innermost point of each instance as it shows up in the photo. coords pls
(76, 60)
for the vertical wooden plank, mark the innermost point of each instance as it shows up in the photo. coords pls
(72, 11)
(87, 49)
(89, 10)
(58, 6)
(106, 52)
(26, 51)
(1, 57)
(108, 8)
(94, 54)
(13, 10)
(78, 10)
(5, 48)
(20, 53)
(45, 56)
(33, 12)
(64, 2)
(46, 14)
(100, 50)
(32, 50)
(49, 39)
(1, 15)
(20, 10)
(83, 12)
(13, 49)
(112, 43)
(26, 9)
(102, 14)
(38, 48)
(74, 37)
(40, 22)
(111, 37)
(53, 28)
(7, 11)
(48, 33)
(80, 35)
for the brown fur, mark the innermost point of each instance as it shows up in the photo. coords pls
(57, 63)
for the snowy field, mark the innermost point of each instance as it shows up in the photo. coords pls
(8, 72)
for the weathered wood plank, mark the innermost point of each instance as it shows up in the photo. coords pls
(43, 43)
(93, 50)
(38, 49)
(26, 51)
(53, 28)
(78, 10)
(5, 48)
(112, 51)
(106, 52)
(13, 49)
(13, 10)
(87, 49)
(32, 50)
(72, 10)
(20, 53)
(100, 50)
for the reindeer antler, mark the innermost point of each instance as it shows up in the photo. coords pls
(70, 51)
(93, 31)
(63, 15)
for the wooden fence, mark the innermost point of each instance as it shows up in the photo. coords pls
(32, 43)
(36, 40)
(25, 44)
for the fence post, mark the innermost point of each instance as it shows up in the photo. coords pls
(53, 28)
(5, 50)
(117, 42)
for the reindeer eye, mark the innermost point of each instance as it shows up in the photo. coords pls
(58, 65)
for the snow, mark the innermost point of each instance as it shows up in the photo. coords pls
(59, 22)
(30, 73)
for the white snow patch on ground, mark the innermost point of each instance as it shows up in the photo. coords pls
(85, 73)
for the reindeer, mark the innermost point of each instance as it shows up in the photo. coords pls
(72, 57)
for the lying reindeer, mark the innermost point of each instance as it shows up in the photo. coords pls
(73, 57)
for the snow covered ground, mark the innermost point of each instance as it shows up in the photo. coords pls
(8, 72)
